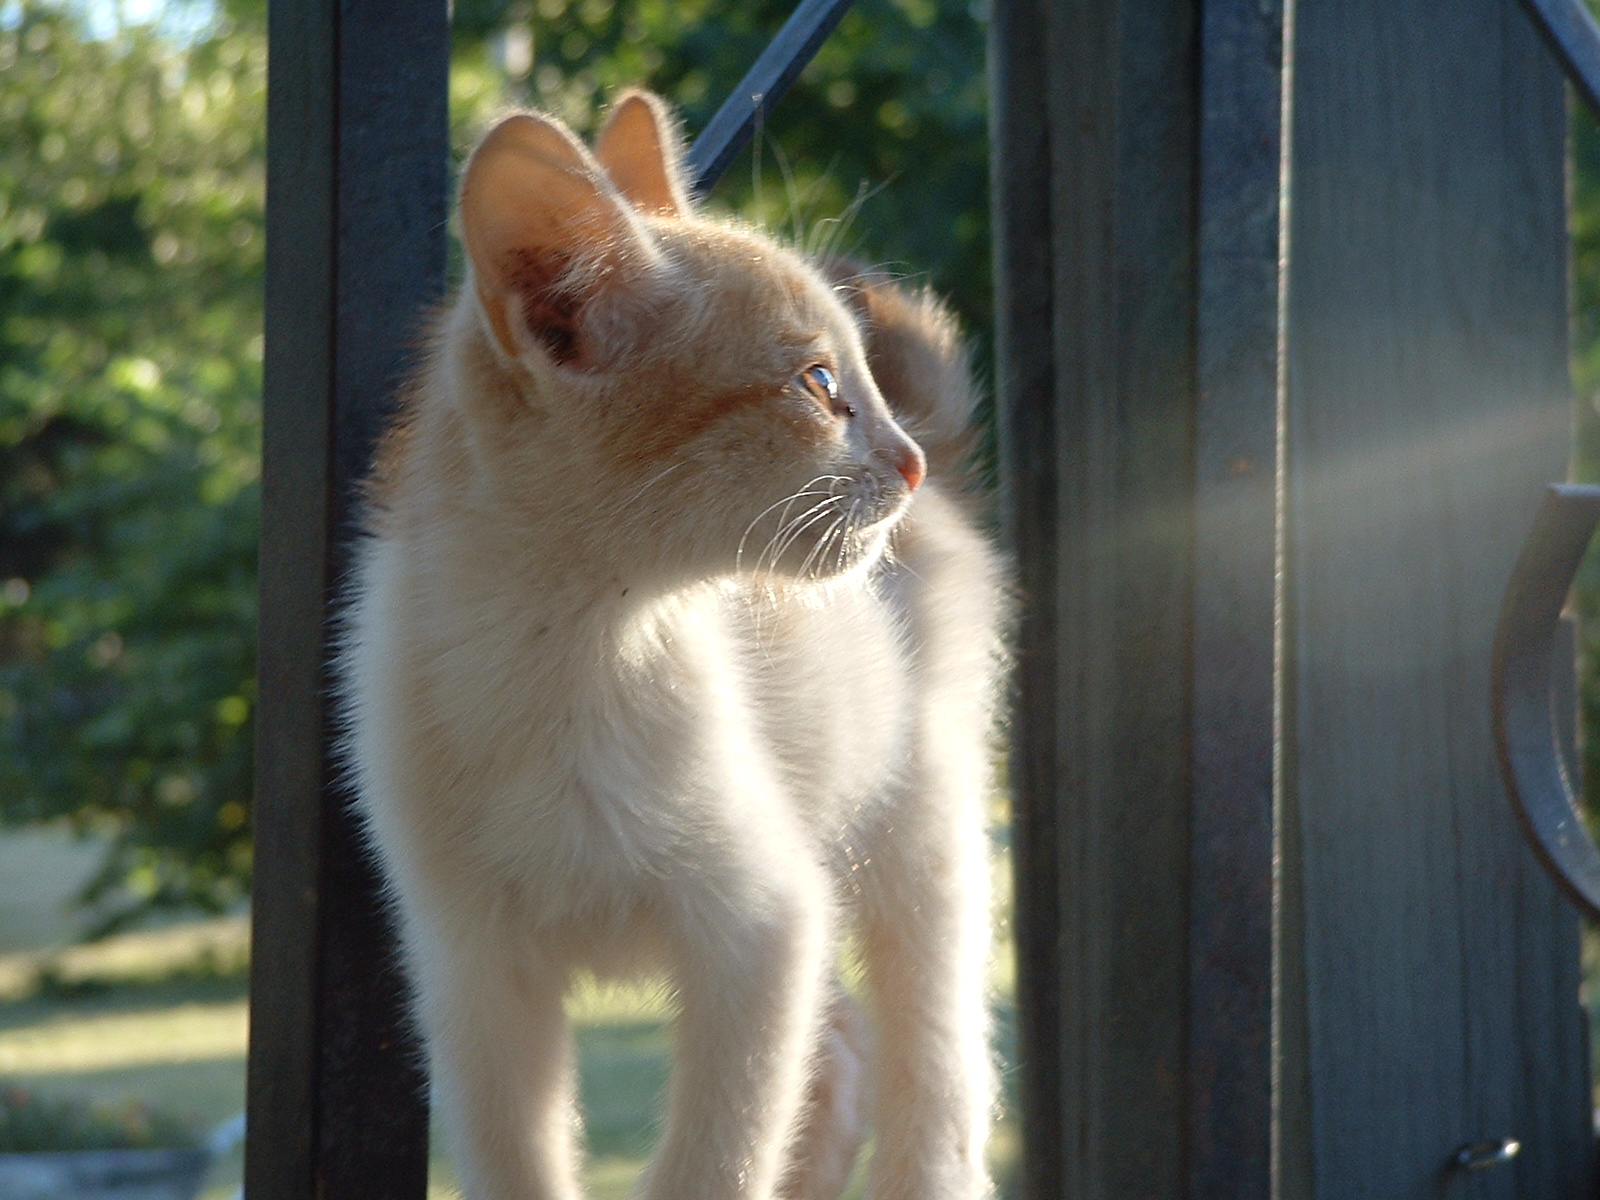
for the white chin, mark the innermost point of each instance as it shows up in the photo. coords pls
(867, 549)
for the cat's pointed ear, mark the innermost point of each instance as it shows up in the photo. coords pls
(641, 150)
(544, 233)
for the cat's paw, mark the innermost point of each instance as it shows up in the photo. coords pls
(825, 1150)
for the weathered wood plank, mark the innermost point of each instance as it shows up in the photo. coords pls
(1098, 447)
(358, 151)
(1025, 368)
(297, 384)
(1427, 407)
(1235, 584)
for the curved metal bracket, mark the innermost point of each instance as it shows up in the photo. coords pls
(1524, 721)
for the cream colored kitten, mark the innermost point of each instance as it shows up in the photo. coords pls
(663, 653)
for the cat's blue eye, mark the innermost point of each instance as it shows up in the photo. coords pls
(822, 385)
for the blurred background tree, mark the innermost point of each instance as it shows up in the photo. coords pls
(130, 348)
(131, 238)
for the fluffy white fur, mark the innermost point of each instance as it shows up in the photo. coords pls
(636, 685)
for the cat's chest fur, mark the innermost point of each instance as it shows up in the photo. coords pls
(568, 749)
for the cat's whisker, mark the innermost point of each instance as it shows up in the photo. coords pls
(842, 545)
(755, 157)
(738, 554)
(787, 500)
(809, 488)
(834, 480)
(841, 224)
(818, 553)
(902, 565)
(891, 552)
(811, 566)
(851, 545)
(781, 542)
(852, 534)
(778, 543)
(827, 234)
(791, 190)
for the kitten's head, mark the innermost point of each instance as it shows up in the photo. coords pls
(702, 392)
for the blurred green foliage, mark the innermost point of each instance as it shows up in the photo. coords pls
(130, 349)
(131, 238)
(1585, 226)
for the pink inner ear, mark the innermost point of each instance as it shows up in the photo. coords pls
(550, 311)
(533, 201)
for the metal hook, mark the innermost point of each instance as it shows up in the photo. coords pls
(1524, 726)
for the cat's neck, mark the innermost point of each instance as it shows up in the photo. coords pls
(559, 581)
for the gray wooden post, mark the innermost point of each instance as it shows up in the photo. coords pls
(1277, 933)
(1233, 823)
(1427, 407)
(1097, 136)
(1136, 198)
(357, 138)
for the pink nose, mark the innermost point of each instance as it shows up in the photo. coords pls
(913, 467)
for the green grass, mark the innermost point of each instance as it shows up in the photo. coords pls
(177, 1046)
(624, 1050)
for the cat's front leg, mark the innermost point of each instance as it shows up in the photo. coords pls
(925, 942)
(750, 938)
(834, 1126)
(501, 1059)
